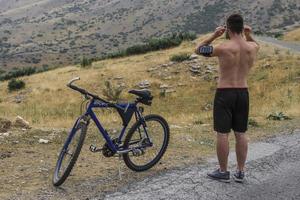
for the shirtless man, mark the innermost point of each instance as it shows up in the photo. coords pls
(231, 104)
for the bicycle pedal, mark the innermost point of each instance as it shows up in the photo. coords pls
(94, 149)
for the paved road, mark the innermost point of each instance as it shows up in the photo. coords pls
(273, 173)
(294, 46)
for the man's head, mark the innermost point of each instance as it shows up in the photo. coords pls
(235, 24)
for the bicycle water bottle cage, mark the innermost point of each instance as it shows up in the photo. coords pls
(144, 96)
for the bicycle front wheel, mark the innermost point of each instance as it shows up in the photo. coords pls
(69, 154)
(151, 138)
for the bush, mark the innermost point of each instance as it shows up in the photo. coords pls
(153, 44)
(111, 92)
(14, 84)
(278, 116)
(180, 57)
(15, 73)
(253, 122)
(85, 62)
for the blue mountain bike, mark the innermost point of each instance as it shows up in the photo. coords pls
(144, 145)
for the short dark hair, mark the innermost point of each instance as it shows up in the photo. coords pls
(235, 23)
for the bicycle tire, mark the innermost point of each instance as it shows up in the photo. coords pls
(126, 157)
(57, 181)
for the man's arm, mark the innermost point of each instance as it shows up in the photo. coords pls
(205, 49)
(248, 36)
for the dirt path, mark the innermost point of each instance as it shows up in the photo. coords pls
(273, 173)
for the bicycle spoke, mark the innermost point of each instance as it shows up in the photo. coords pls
(155, 131)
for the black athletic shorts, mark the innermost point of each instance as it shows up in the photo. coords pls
(231, 110)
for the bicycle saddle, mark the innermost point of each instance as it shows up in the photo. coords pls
(145, 94)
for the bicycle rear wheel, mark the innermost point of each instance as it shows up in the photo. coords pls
(69, 154)
(152, 150)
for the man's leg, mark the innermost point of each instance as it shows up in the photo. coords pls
(222, 150)
(241, 148)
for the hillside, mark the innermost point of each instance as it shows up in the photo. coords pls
(293, 35)
(58, 102)
(59, 32)
(183, 94)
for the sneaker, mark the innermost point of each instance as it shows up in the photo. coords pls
(220, 176)
(239, 176)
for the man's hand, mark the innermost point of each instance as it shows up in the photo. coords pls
(219, 31)
(247, 30)
(248, 36)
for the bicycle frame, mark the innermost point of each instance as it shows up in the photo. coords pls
(89, 114)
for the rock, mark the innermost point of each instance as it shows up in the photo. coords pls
(118, 78)
(168, 64)
(4, 155)
(205, 125)
(175, 126)
(193, 56)
(195, 69)
(164, 86)
(167, 78)
(4, 134)
(181, 84)
(5, 125)
(144, 84)
(21, 123)
(208, 106)
(19, 99)
(267, 65)
(151, 69)
(121, 85)
(170, 90)
(43, 141)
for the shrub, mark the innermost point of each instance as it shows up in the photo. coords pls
(278, 35)
(85, 62)
(253, 122)
(180, 57)
(153, 44)
(278, 116)
(14, 84)
(15, 73)
(111, 92)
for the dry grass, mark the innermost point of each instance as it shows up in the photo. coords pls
(293, 35)
(48, 102)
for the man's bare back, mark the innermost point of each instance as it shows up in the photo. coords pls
(236, 58)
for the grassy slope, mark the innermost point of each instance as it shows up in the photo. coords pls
(293, 35)
(269, 82)
(48, 102)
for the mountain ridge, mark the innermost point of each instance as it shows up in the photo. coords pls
(57, 33)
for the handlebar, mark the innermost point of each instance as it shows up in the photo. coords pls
(73, 80)
(85, 92)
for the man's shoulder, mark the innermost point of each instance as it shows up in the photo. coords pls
(227, 46)
(253, 45)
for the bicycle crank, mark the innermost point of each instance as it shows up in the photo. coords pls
(95, 149)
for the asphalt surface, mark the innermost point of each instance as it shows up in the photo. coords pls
(273, 172)
(294, 46)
